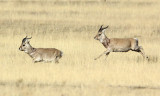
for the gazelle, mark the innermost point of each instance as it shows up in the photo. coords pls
(118, 44)
(40, 54)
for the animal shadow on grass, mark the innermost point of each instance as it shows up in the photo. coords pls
(153, 59)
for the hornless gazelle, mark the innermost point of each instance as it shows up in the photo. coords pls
(118, 44)
(40, 54)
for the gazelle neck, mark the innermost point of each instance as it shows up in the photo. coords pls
(30, 49)
(103, 38)
(105, 41)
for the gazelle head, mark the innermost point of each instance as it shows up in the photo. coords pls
(101, 34)
(25, 46)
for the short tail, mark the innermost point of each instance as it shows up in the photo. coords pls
(136, 41)
(61, 54)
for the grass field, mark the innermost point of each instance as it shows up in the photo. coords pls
(71, 26)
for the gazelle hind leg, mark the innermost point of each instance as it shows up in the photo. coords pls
(141, 51)
(56, 60)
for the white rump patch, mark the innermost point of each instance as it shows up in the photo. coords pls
(136, 39)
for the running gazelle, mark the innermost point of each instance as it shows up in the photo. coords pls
(40, 54)
(118, 44)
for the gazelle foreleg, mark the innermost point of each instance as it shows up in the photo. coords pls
(107, 55)
(105, 52)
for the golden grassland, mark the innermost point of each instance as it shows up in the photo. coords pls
(70, 27)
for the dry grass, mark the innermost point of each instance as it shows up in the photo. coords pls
(70, 27)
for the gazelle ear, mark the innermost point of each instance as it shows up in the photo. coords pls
(105, 27)
(26, 41)
(100, 29)
(101, 26)
(29, 38)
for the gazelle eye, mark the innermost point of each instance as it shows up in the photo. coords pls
(23, 45)
(99, 34)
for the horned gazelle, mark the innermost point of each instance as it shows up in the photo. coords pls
(40, 54)
(118, 44)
